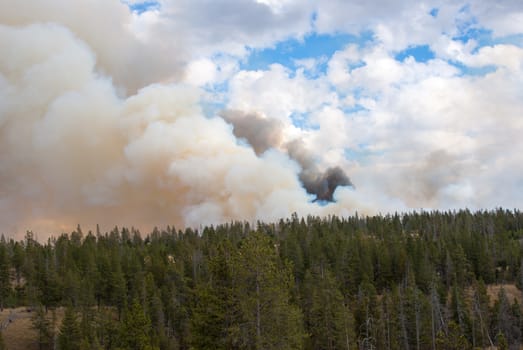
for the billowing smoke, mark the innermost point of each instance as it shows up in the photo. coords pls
(320, 183)
(430, 178)
(74, 151)
(264, 133)
(128, 48)
(324, 184)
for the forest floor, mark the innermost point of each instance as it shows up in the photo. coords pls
(17, 329)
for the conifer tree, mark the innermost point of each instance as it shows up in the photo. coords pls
(5, 281)
(211, 315)
(135, 330)
(44, 327)
(261, 289)
(329, 319)
(2, 343)
(70, 336)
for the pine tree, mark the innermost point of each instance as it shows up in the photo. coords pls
(481, 316)
(5, 282)
(135, 330)
(70, 335)
(365, 314)
(505, 321)
(44, 327)
(211, 313)
(2, 343)
(261, 290)
(208, 321)
(459, 310)
(107, 329)
(330, 321)
(453, 339)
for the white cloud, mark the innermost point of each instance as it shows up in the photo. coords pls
(503, 17)
(278, 95)
(201, 72)
(395, 24)
(229, 26)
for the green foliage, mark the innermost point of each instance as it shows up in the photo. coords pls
(2, 343)
(208, 322)
(5, 285)
(454, 339)
(328, 317)
(261, 285)
(501, 341)
(135, 330)
(412, 281)
(44, 327)
(70, 336)
(213, 304)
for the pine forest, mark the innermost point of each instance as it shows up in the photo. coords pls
(421, 280)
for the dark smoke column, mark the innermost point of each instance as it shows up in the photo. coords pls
(321, 184)
(263, 133)
(324, 184)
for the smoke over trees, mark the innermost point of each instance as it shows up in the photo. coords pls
(73, 149)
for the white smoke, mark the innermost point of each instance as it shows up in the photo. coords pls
(128, 48)
(73, 151)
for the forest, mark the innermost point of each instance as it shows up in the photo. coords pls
(417, 280)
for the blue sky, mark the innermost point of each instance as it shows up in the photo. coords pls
(141, 7)
(312, 45)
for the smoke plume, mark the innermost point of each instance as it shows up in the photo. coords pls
(323, 184)
(260, 132)
(74, 151)
(128, 48)
(320, 183)
(264, 133)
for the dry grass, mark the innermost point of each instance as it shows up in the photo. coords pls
(19, 333)
(512, 292)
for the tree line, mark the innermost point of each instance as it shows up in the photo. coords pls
(404, 281)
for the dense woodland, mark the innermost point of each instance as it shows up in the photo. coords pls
(409, 281)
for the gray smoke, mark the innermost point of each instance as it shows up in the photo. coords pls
(320, 183)
(260, 132)
(264, 133)
(323, 184)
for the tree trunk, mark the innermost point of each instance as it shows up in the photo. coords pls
(258, 313)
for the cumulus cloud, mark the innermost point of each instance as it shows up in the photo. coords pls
(234, 27)
(277, 93)
(435, 137)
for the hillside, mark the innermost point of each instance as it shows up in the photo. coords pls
(430, 280)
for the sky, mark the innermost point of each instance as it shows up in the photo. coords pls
(194, 112)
